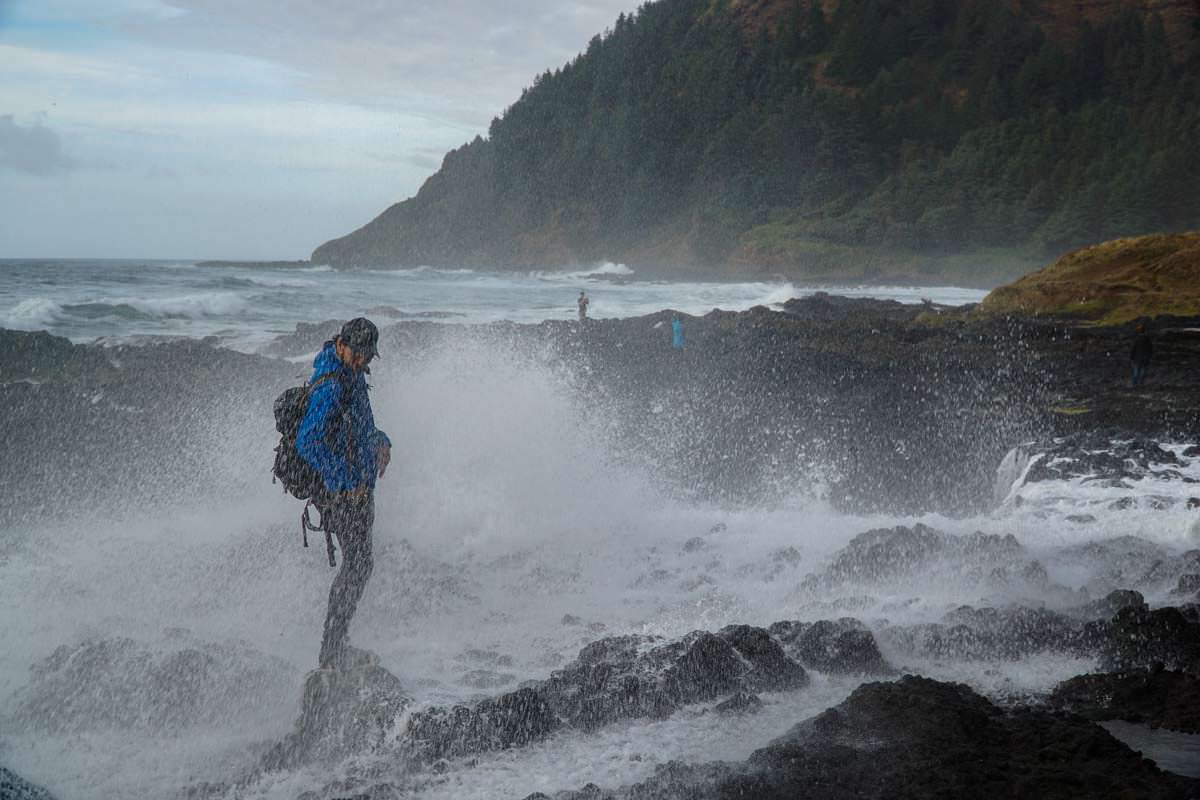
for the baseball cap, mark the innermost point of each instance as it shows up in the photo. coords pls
(361, 336)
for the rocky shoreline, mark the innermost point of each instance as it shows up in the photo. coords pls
(898, 408)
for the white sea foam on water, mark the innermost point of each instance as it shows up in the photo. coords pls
(32, 314)
(245, 306)
(603, 269)
(192, 306)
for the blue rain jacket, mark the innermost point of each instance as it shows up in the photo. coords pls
(346, 460)
(677, 329)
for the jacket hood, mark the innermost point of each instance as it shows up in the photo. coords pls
(327, 361)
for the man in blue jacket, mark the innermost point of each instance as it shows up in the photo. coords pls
(338, 438)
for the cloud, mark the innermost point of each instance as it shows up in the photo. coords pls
(35, 150)
(461, 60)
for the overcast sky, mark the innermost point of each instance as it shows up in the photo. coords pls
(247, 129)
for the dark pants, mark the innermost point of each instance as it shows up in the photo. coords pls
(350, 520)
(1139, 373)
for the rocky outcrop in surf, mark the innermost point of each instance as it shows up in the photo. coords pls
(351, 710)
(1160, 697)
(362, 708)
(920, 738)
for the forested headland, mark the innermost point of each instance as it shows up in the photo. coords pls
(930, 139)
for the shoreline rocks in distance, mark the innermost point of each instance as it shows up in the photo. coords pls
(297, 264)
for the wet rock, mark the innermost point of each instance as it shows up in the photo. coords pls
(14, 787)
(840, 647)
(1137, 636)
(919, 738)
(1161, 698)
(1189, 584)
(1116, 563)
(1095, 456)
(620, 677)
(1109, 605)
(486, 679)
(346, 711)
(510, 720)
(1168, 570)
(769, 667)
(740, 703)
(120, 683)
(893, 553)
(990, 633)
(488, 657)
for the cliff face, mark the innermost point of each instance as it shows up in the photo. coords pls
(744, 137)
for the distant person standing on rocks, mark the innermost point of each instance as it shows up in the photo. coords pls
(677, 331)
(1140, 355)
(582, 302)
(338, 438)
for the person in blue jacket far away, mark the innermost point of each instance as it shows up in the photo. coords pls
(338, 438)
(677, 328)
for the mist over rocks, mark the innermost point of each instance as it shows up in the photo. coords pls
(105, 427)
(115, 684)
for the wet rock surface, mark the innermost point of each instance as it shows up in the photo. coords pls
(1159, 697)
(1137, 637)
(622, 677)
(888, 554)
(343, 712)
(841, 647)
(920, 738)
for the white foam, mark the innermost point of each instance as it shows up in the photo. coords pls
(201, 305)
(32, 314)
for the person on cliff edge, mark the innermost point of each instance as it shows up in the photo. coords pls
(582, 303)
(1140, 355)
(338, 438)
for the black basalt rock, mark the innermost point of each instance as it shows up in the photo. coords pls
(841, 647)
(920, 738)
(342, 712)
(1137, 636)
(770, 668)
(619, 677)
(1107, 606)
(1159, 697)
(511, 720)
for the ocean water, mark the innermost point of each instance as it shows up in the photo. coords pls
(246, 306)
(509, 534)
